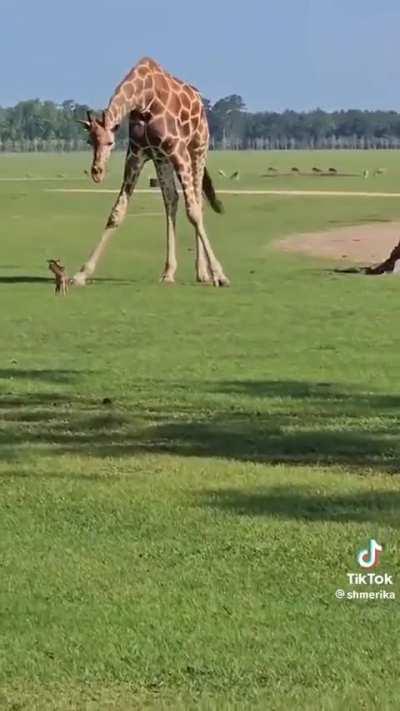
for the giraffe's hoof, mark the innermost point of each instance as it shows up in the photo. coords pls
(79, 279)
(204, 279)
(224, 281)
(167, 279)
(221, 281)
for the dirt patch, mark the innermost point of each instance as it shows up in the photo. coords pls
(361, 245)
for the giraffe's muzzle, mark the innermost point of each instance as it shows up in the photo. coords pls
(98, 174)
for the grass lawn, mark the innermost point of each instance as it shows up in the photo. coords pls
(186, 473)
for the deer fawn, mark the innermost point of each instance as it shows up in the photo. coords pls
(61, 279)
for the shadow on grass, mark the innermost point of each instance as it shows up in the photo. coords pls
(44, 375)
(271, 441)
(272, 422)
(349, 270)
(112, 280)
(303, 504)
(323, 392)
(25, 279)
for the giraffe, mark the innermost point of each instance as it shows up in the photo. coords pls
(168, 125)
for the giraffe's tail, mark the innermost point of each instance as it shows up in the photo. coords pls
(209, 192)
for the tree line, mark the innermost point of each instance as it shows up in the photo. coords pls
(36, 125)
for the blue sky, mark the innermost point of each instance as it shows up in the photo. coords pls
(277, 54)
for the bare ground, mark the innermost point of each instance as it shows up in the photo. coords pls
(363, 245)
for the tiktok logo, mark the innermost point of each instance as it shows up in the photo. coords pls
(369, 557)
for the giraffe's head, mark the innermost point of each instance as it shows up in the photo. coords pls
(102, 139)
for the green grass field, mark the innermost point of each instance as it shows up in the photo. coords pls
(186, 473)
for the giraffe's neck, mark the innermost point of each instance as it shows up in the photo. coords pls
(128, 96)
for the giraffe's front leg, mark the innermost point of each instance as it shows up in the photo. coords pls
(116, 217)
(133, 167)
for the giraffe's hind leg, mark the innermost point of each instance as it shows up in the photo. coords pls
(203, 271)
(183, 166)
(166, 177)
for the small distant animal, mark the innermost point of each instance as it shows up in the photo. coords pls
(380, 171)
(295, 170)
(221, 172)
(272, 169)
(332, 170)
(60, 277)
(316, 170)
(235, 175)
(366, 174)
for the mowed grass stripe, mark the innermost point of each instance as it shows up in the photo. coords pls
(222, 191)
